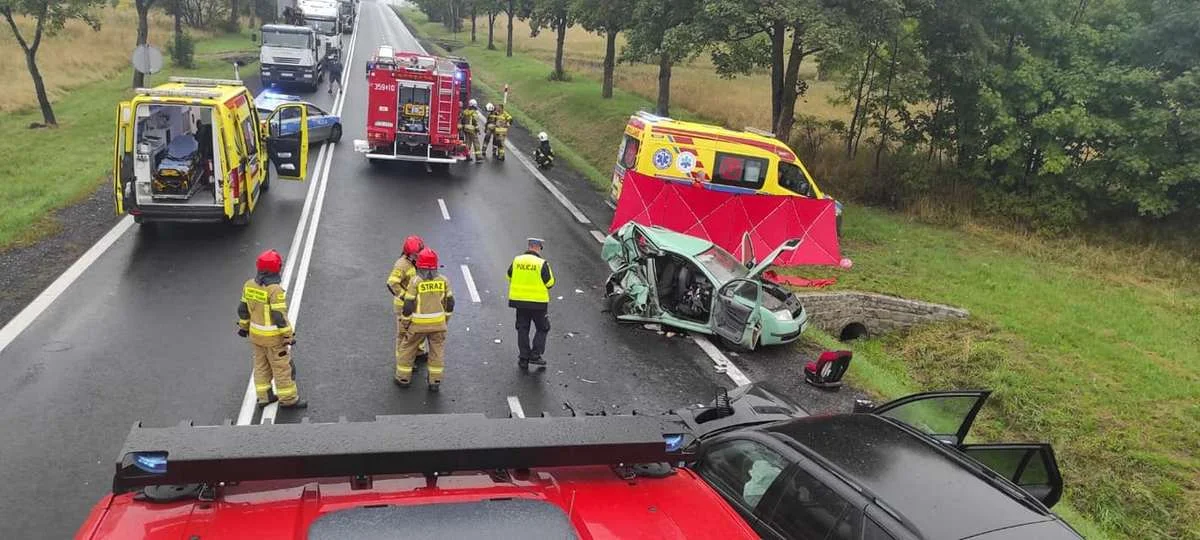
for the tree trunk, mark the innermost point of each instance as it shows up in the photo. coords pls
(885, 124)
(143, 30)
(233, 14)
(858, 98)
(508, 46)
(561, 29)
(664, 85)
(472, 23)
(39, 86)
(787, 105)
(178, 25)
(491, 31)
(610, 60)
(778, 35)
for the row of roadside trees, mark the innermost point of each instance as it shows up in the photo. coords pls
(1055, 112)
(49, 17)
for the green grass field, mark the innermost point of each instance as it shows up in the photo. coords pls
(46, 169)
(1094, 348)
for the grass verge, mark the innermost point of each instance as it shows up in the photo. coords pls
(1085, 346)
(42, 170)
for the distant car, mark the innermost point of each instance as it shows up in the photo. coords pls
(661, 276)
(322, 126)
(897, 471)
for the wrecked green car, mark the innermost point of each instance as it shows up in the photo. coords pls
(661, 276)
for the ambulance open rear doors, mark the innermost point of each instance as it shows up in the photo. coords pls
(286, 141)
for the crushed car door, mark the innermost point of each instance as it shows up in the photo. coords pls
(735, 311)
(287, 140)
(122, 172)
(947, 416)
(1031, 466)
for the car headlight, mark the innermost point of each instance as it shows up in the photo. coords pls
(783, 316)
(308, 75)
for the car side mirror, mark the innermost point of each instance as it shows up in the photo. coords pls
(863, 406)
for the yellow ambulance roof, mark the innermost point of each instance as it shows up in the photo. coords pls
(679, 128)
(220, 90)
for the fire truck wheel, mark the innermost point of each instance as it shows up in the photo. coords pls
(335, 134)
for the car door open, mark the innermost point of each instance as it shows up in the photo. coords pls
(946, 416)
(1031, 466)
(287, 140)
(735, 311)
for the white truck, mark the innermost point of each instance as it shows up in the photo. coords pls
(324, 17)
(290, 55)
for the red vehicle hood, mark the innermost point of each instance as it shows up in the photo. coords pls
(594, 501)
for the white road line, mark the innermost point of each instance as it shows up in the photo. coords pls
(512, 150)
(470, 284)
(723, 364)
(514, 407)
(35, 308)
(599, 236)
(445, 212)
(321, 177)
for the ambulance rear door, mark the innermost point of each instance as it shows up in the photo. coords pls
(122, 172)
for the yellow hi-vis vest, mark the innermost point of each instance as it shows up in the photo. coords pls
(261, 300)
(526, 283)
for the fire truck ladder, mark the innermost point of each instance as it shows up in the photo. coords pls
(445, 102)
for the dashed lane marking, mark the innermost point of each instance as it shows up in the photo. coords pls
(466, 272)
(599, 236)
(723, 364)
(445, 212)
(514, 407)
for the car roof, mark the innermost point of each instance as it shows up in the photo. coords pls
(940, 496)
(678, 242)
(561, 502)
(270, 100)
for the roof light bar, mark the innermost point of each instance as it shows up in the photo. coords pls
(200, 81)
(179, 92)
(400, 444)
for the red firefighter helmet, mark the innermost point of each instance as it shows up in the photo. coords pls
(427, 259)
(270, 261)
(413, 244)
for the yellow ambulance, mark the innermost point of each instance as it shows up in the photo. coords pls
(748, 161)
(195, 150)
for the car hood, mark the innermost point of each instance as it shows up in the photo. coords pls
(754, 403)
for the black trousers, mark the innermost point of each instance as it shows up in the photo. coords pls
(541, 321)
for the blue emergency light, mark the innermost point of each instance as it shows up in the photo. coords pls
(674, 442)
(151, 462)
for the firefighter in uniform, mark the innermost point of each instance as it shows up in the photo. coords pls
(397, 283)
(262, 316)
(489, 127)
(468, 125)
(544, 154)
(428, 303)
(500, 132)
(529, 283)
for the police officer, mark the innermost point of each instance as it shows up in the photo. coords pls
(529, 283)
(468, 125)
(262, 316)
(489, 127)
(428, 304)
(397, 282)
(500, 131)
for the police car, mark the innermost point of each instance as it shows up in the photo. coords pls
(322, 126)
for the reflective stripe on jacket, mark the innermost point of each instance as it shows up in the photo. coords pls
(265, 310)
(428, 303)
(529, 281)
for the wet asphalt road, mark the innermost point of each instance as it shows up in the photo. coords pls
(146, 333)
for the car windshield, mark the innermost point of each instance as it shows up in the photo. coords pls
(721, 264)
(322, 26)
(285, 39)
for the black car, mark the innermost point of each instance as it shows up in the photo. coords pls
(896, 471)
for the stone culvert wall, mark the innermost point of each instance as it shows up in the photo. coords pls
(849, 314)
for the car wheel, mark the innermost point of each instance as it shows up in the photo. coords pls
(335, 134)
(738, 346)
(620, 304)
(266, 180)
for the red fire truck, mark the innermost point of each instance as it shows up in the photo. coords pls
(412, 109)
